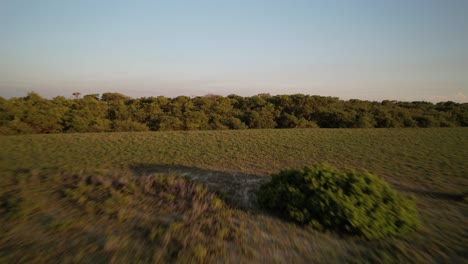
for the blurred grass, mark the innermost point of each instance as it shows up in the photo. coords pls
(81, 217)
(428, 163)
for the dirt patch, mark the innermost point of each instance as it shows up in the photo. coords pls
(238, 189)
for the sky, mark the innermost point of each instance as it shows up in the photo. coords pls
(407, 50)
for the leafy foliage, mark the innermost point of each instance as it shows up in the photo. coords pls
(117, 112)
(346, 201)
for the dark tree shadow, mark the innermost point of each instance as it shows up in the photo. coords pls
(237, 189)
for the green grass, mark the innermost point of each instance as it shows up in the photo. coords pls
(427, 163)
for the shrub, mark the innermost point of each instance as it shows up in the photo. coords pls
(345, 201)
(128, 125)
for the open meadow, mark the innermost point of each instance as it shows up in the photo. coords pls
(106, 196)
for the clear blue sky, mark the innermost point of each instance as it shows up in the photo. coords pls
(375, 49)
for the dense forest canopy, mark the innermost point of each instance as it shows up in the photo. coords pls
(118, 112)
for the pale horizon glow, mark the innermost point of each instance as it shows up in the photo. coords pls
(362, 49)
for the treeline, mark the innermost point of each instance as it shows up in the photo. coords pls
(117, 112)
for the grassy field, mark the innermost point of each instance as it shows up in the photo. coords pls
(427, 163)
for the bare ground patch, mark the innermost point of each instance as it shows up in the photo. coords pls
(239, 189)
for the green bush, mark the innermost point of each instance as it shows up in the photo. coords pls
(345, 201)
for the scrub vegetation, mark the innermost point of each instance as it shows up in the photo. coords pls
(346, 201)
(116, 112)
(189, 196)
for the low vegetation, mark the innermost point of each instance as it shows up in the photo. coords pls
(344, 201)
(101, 217)
(116, 112)
(111, 197)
